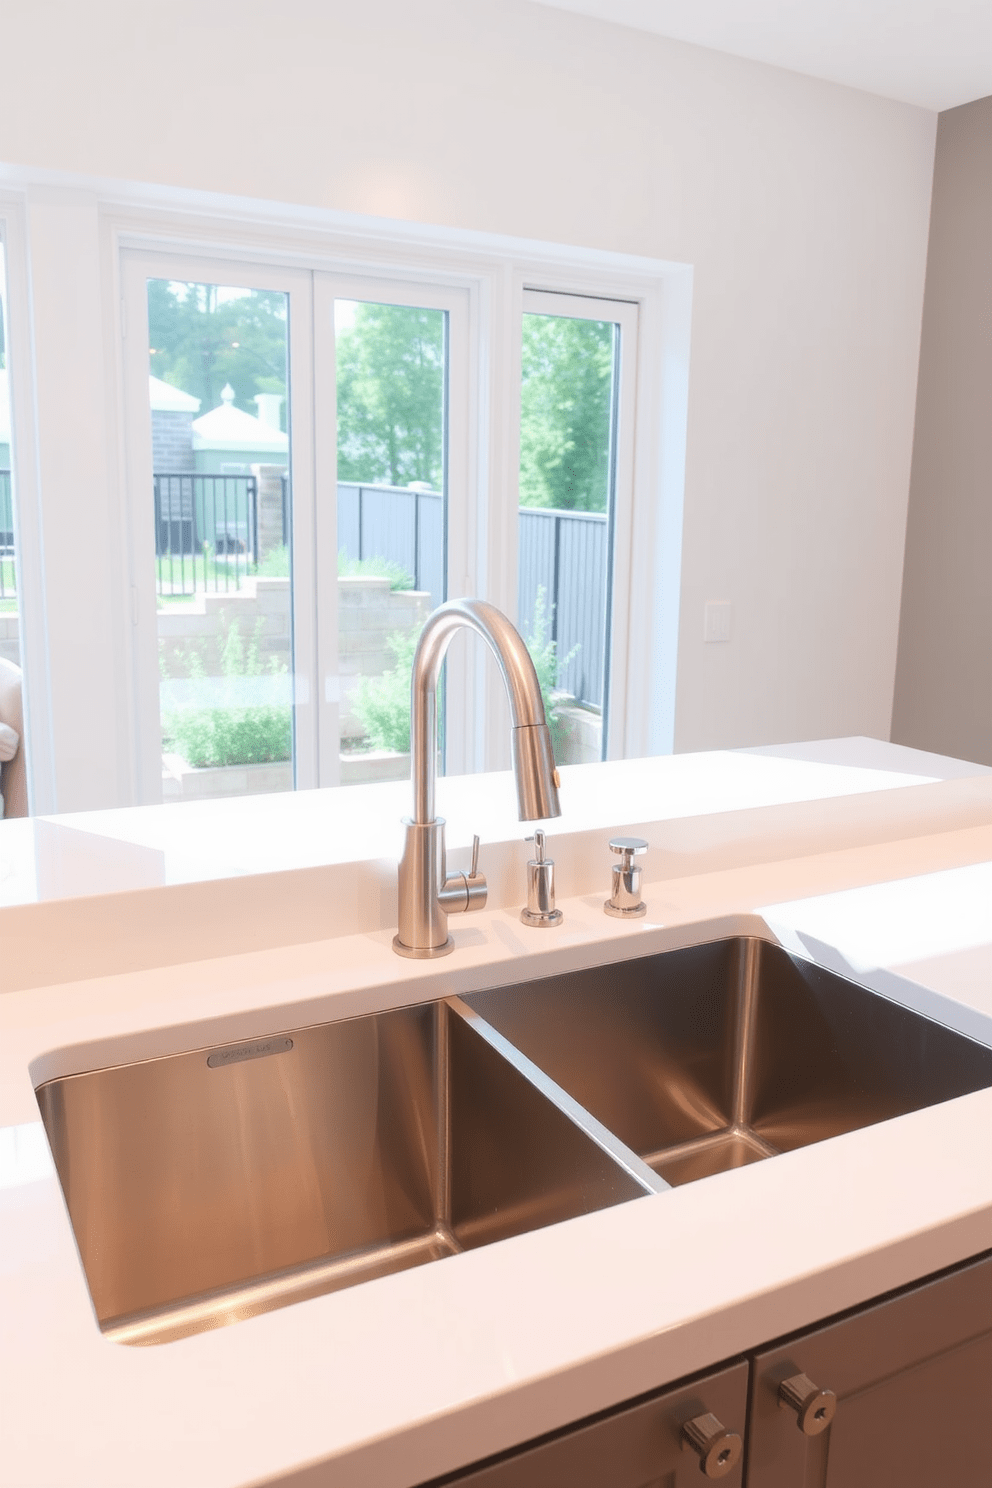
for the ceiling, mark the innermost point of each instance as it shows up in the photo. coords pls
(934, 53)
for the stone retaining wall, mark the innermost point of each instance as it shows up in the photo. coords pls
(202, 628)
(369, 612)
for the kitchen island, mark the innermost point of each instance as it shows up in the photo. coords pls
(129, 935)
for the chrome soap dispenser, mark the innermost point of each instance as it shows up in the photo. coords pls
(541, 911)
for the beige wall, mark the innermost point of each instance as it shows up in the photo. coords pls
(802, 206)
(943, 695)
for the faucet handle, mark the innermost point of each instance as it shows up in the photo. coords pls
(475, 882)
(463, 892)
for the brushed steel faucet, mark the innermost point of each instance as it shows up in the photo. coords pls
(427, 895)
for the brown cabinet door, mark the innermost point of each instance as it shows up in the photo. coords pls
(638, 1446)
(913, 1381)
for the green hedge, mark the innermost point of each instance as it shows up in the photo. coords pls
(230, 736)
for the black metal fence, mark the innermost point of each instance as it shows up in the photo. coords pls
(206, 535)
(206, 531)
(8, 579)
(565, 554)
(402, 526)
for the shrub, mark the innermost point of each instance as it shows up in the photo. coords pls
(231, 732)
(275, 564)
(230, 736)
(375, 568)
(382, 704)
(548, 665)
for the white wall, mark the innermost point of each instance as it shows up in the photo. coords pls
(802, 206)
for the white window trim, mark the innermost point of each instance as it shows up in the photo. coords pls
(494, 270)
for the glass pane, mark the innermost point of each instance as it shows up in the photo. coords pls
(220, 456)
(391, 380)
(13, 778)
(567, 437)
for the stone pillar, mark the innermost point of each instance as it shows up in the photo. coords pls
(172, 441)
(269, 479)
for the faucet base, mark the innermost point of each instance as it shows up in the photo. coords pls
(545, 920)
(423, 953)
(636, 912)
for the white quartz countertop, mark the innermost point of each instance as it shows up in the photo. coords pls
(422, 1372)
(101, 892)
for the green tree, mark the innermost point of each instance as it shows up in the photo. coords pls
(203, 336)
(390, 384)
(567, 374)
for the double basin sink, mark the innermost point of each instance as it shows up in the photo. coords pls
(209, 1186)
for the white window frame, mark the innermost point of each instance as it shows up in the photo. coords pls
(86, 226)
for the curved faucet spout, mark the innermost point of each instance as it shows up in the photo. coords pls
(533, 762)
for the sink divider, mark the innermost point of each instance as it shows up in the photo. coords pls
(443, 1230)
(744, 1041)
(635, 1167)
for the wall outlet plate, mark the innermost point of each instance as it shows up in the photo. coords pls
(716, 620)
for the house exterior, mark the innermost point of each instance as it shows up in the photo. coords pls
(173, 412)
(224, 441)
(228, 441)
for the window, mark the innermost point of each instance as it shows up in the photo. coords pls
(287, 546)
(570, 424)
(576, 399)
(348, 455)
(391, 385)
(218, 399)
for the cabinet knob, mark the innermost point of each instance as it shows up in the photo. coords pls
(718, 1449)
(814, 1408)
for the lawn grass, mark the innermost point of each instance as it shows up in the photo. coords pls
(8, 587)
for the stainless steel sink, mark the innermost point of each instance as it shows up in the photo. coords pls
(716, 1056)
(209, 1186)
